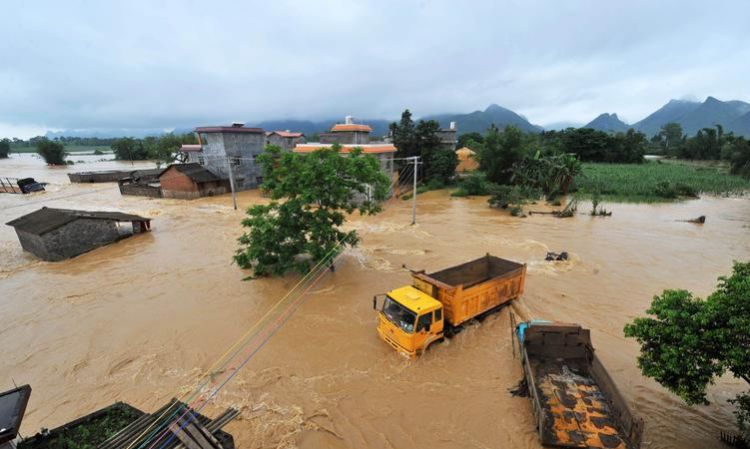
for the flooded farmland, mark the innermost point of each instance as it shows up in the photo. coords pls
(143, 319)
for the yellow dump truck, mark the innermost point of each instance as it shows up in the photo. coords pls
(412, 317)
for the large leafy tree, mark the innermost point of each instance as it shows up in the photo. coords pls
(4, 148)
(422, 139)
(311, 195)
(688, 342)
(671, 138)
(501, 152)
(52, 152)
(129, 148)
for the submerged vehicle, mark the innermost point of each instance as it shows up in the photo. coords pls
(413, 317)
(576, 403)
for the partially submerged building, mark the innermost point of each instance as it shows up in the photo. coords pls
(235, 148)
(12, 408)
(58, 234)
(286, 140)
(190, 181)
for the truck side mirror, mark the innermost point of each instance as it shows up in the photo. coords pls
(374, 303)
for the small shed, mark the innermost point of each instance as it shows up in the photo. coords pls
(189, 181)
(58, 234)
(467, 160)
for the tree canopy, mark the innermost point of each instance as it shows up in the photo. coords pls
(311, 193)
(4, 148)
(52, 152)
(422, 139)
(688, 342)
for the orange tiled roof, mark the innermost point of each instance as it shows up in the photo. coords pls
(345, 127)
(373, 148)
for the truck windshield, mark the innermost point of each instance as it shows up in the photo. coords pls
(399, 315)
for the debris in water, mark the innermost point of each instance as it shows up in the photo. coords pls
(551, 256)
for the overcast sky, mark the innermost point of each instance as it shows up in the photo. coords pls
(159, 64)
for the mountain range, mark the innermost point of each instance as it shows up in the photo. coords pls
(691, 115)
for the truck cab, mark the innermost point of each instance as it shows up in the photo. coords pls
(409, 320)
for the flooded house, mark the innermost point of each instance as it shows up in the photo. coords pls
(350, 136)
(12, 408)
(224, 148)
(57, 234)
(189, 181)
(286, 140)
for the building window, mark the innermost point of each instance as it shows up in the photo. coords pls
(259, 180)
(235, 161)
(201, 160)
(255, 158)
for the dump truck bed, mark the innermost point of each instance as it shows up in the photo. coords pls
(575, 401)
(472, 288)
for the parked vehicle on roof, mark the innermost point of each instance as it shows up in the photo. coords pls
(413, 317)
(576, 403)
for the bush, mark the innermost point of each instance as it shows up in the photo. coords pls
(512, 196)
(474, 184)
(52, 152)
(98, 152)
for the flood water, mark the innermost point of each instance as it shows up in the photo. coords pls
(141, 320)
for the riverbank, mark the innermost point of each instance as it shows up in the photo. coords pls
(657, 181)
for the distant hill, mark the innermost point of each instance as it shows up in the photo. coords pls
(740, 125)
(693, 116)
(609, 123)
(480, 121)
(670, 112)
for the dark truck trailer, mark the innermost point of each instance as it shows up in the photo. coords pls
(576, 403)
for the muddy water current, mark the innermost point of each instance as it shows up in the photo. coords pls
(141, 320)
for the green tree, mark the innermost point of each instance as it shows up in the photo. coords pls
(4, 148)
(163, 150)
(311, 193)
(404, 135)
(671, 138)
(501, 152)
(689, 342)
(422, 139)
(129, 149)
(470, 140)
(52, 152)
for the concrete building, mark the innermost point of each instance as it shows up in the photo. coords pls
(57, 234)
(448, 138)
(190, 181)
(233, 146)
(286, 140)
(347, 133)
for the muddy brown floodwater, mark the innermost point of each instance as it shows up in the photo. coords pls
(141, 320)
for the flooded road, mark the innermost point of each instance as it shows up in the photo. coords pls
(143, 319)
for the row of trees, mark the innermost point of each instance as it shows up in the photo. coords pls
(707, 144)
(160, 149)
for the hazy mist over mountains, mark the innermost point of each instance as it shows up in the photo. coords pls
(733, 116)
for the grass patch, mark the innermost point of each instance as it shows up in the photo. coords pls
(653, 182)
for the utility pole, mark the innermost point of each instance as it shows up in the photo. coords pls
(415, 161)
(231, 183)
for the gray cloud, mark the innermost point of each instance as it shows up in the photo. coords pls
(144, 64)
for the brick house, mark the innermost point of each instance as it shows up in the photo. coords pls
(190, 181)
